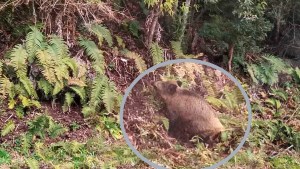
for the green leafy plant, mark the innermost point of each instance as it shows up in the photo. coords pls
(44, 124)
(139, 62)
(296, 75)
(4, 157)
(39, 64)
(267, 70)
(102, 33)
(157, 53)
(230, 100)
(32, 163)
(274, 131)
(177, 49)
(9, 127)
(101, 92)
(134, 28)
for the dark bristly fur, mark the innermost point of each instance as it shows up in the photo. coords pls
(189, 114)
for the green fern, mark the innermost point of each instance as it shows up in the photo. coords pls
(59, 47)
(72, 64)
(45, 86)
(103, 92)
(157, 53)
(39, 149)
(34, 41)
(6, 87)
(69, 99)
(139, 62)
(39, 125)
(87, 111)
(267, 70)
(95, 53)
(276, 62)
(231, 101)
(296, 75)
(109, 97)
(28, 85)
(177, 49)
(32, 163)
(18, 60)
(8, 127)
(97, 91)
(46, 61)
(120, 42)
(102, 33)
(26, 141)
(80, 92)
(55, 129)
(58, 87)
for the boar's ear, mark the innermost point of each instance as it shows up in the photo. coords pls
(172, 88)
(179, 83)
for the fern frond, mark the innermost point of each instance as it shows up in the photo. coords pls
(156, 53)
(139, 62)
(7, 128)
(28, 85)
(19, 58)
(97, 91)
(82, 69)
(59, 47)
(120, 42)
(5, 87)
(250, 69)
(94, 53)
(69, 99)
(61, 72)
(278, 64)
(32, 163)
(45, 86)
(109, 98)
(88, 110)
(296, 75)
(177, 49)
(39, 150)
(102, 33)
(45, 60)
(34, 41)
(57, 88)
(55, 129)
(99, 67)
(26, 140)
(77, 82)
(80, 92)
(72, 64)
(214, 101)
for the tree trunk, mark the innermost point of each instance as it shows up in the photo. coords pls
(230, 55)
(152, 30)
(278, 20)
(156, 12)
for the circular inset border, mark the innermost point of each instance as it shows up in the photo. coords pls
(153, 68)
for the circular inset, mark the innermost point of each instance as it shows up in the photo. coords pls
(247, 132)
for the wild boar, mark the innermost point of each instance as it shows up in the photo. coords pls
(189, 114)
